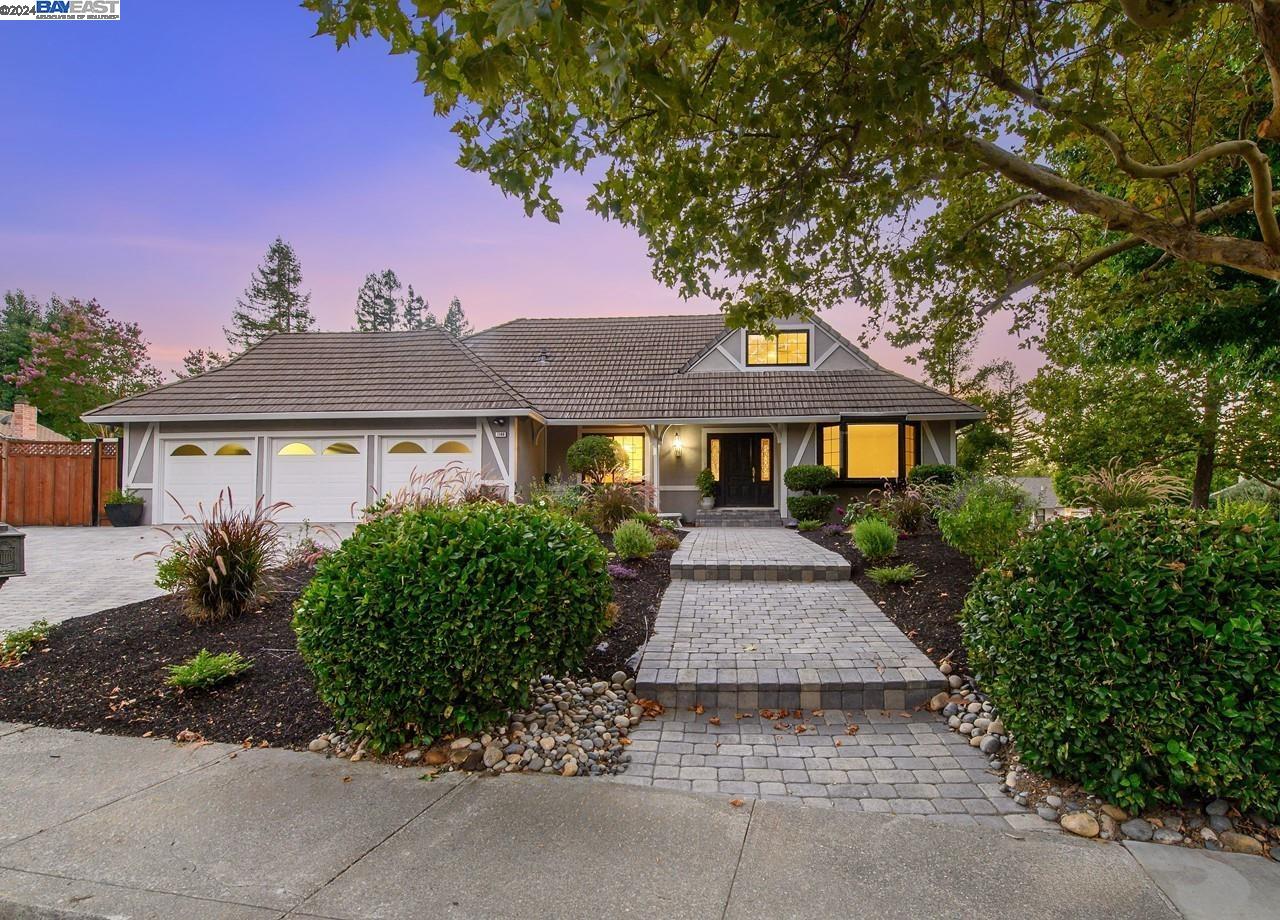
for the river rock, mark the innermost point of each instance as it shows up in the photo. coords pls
(1081, 823)
(1137, 829)
(1239, 843)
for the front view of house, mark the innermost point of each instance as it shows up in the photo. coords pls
(327, 421)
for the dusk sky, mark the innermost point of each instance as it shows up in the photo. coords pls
(149, 162)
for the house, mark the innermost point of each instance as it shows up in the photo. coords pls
(326, 421)
(22, 423)
(1044, 501)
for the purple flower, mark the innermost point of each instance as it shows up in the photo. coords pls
(620, 571)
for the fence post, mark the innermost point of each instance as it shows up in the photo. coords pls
(97, 480)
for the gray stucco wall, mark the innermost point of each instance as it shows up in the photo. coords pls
(531, 453)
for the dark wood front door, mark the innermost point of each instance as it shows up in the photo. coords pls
(746, 469)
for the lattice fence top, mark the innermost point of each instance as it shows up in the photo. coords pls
(59, 448)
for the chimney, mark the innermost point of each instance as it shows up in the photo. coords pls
(24, 420)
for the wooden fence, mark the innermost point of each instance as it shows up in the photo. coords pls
(59, 483)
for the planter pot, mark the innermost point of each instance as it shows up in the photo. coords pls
(129, 515)
(707, 502)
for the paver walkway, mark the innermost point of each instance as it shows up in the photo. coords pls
(100, 826)
(789, 686)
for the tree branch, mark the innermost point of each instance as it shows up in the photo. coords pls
(1249, 256)
(1257, 161)
(1207, 216)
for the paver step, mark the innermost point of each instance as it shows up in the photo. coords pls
(747, 689)
(760, 571)
(761, 554)
(738, 517)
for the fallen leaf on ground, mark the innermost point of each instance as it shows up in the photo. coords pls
(801, 729)
(781, 726)
(851, 729)
(839, 742)
(346, 779)
(699, 709)
(736, 803)
(749, 648)
(818, 713)
(714, 720)
(624, 741)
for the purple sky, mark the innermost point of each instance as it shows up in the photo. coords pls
(149, 162)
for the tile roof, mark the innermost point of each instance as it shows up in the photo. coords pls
(358, 372)
(615, 368)
(620, 368)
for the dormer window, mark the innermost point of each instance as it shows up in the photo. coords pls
(784, 349)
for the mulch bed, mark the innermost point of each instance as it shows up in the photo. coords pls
(637, 602)
(928, 610)
(106, 671)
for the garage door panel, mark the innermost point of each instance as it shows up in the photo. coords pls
(196, 472)
(405, 458)
(322, 480)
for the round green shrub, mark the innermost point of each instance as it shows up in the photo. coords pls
(874, 538)
(808, 478)
(811, 507)
(594, 457)
(944, 474)
(435, 619)
(1136, 654)
(983, 518)
(632, 540)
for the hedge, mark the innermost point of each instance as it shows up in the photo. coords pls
(435, 620)
(811, 507)
(1136, 654)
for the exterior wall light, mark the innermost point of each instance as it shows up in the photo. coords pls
(677, 444)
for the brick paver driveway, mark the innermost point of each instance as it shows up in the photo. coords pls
(74, 571)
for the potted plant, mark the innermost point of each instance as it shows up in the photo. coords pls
(124, 508)
(706, 483)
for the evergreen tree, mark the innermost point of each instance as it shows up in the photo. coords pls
(201, 361)
(417, 312)
(273, 301)
(455, 321)
(378, 302)
(19, 318)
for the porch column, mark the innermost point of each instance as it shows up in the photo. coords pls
(655, 439)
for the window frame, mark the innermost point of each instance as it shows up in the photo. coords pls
(808, 349)
(843, 464)
(644, 452)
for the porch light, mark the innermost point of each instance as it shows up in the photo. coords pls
(12, 563)
(677, 444)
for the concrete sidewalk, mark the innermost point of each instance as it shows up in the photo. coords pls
(93, 825)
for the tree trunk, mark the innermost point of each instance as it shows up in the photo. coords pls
(1207, 446)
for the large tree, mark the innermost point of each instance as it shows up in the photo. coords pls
(778, 155)
(455, 320)
(382, 304)
(21, 315)
(81, 358)
(274, 300)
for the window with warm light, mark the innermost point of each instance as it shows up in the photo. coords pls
(453, 447)
(766, 459)
(871, 452)
(633, 450)
(232, 449)
(341, 447)
(715, 459)
(187, 450)
(785, 349)
(830, 447)
(296, 449)
(407, 447)
(912, 448)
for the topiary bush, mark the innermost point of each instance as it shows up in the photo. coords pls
(809, 478)
(1136, 655)
(595, 457)
(632, 540)
(875, 538)
(943, 474)
(435, 620)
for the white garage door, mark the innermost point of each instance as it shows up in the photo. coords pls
(322, 479)
(196, 472)
(406, 460)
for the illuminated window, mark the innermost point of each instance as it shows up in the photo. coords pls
(232, 450)
(296, 449)
(912, 447)
(784, 349)
(453, 447)
(715, 459)
(341, 447)
(766, 459)
(407, 447)
(830, 447)
(871, 452)
(633, 450)
(187, 450)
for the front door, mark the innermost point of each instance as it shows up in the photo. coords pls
(746, 469)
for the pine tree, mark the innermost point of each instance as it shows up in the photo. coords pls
(378, 302)
(201, 361)
(417, 312)
(455, 321)
(273, 301)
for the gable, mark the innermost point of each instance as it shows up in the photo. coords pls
(827, 351)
